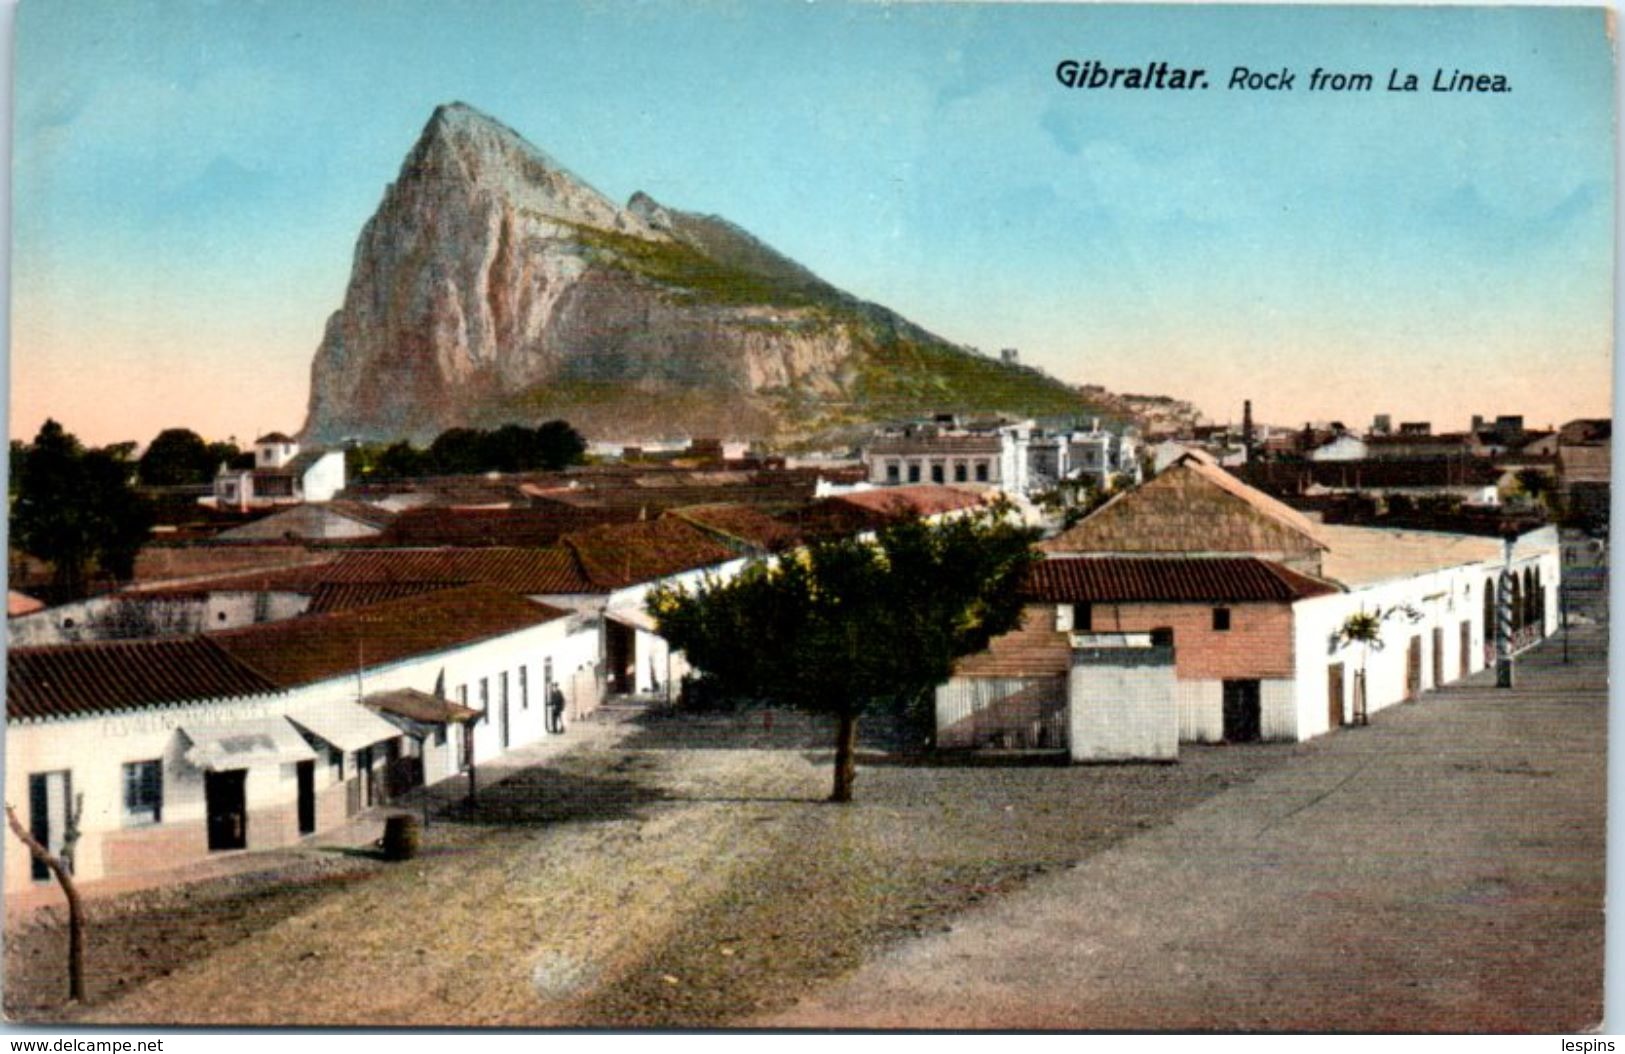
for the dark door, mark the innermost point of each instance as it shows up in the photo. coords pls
(1334, 695)
(1466, 646)
(306, 771)
(1243, 712)
(1413, 670)
(49, 798)
(621, 648)
(1438, 657)
(364, 771)
(224, 793)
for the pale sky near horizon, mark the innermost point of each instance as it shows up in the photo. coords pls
(190, 178)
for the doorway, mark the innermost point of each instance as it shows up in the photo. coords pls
(306, 773)
(1413, 670)
(1466, 646)
(1334, 695)
(1438, 657)
(1243, 712)
(227, 803)
(50, 795)
(621, 655)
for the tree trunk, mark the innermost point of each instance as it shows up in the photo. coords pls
(846, 757)
(76, 913)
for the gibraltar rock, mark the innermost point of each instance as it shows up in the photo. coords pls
(492, 286)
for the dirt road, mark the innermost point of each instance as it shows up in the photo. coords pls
(1441, 870)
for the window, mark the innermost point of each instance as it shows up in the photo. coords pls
(524, 687)
(335, 763)
(485, 693)
(143, 792)
(936, 473)
(462, 694)
(894, 472)
(914, 472)
(1162, 637)
(1221, 620)
(1083, 618)
(439, 735)
(960, 473)
(981, 472)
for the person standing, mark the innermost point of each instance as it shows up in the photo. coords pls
(555, 710)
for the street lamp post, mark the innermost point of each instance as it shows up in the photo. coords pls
(1503, 620)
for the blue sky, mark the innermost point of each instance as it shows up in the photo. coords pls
(190, 178)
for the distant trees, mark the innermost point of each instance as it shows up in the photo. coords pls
(180, 457)
(176, 456)
(467, 451)
(75, 509)
(848, 625)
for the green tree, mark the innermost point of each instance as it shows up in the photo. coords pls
(177, 456)
(76, 510)
(400, 460)
(848, 625)
(457, 452)
(559, 445)
(1539, 486)
(228, 454)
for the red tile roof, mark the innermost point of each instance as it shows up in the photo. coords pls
(1171, 579)
(926, 499)
(67, 680)
(313, 648)
(300, 579)
(530, 572)
(625, 554)
(22, 604)
(745, 525)
(343, 596)
(439, 525)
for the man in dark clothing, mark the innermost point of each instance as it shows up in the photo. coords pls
(555, 710)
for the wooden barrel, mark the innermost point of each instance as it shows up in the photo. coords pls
(401, 837)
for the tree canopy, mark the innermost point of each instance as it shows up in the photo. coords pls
(75, 509)
(467, 451)
(848, 625)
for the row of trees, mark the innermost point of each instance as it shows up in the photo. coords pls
(465, 451)
(181, 457)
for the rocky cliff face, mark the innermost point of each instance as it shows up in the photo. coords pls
(493, 286)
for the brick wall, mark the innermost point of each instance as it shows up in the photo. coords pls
(1258, 643)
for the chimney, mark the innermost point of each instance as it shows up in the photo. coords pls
(1247, 429)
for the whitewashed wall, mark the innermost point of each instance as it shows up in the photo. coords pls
(1122, 711)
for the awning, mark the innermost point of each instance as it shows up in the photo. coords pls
(345, 725)
(635, 617)
(267, 741)
(418, 713)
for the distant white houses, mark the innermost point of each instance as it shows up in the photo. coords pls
(1346, 447)
(1013, 455)
(282, 475)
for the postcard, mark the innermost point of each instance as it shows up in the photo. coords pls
(778, 515)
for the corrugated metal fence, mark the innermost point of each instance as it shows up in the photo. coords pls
(1008, 713)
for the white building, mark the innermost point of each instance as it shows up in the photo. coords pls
(947, 450)
(282, 475)
(1252, 597)
(257, 738)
